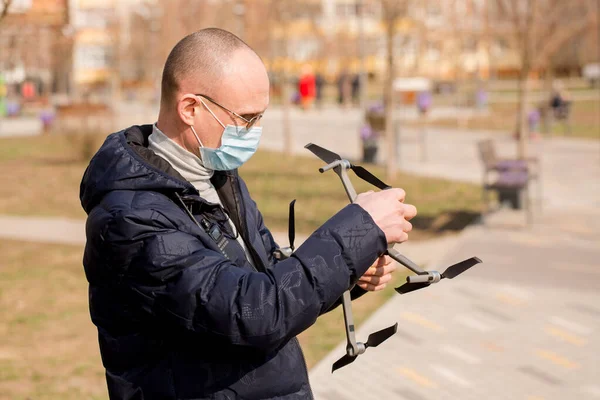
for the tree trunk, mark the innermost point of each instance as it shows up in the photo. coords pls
(286, 125)
(390, 134)
(546, 113)
(285, 96)
(522, 125)
(363, 81)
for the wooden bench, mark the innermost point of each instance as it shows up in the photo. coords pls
(509, 178)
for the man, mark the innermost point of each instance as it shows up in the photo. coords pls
(184, 289)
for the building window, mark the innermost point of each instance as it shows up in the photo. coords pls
(92, 57)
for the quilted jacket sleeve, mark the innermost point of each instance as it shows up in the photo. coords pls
(178, 280)
(271, 246)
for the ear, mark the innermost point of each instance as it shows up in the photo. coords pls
(186, 109)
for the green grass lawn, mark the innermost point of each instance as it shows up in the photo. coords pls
(42, 176)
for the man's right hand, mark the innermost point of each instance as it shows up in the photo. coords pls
(389, 212)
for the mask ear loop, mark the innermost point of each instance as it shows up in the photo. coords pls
(211, 113)
(195, 134)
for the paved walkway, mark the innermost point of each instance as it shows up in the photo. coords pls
(522, 325)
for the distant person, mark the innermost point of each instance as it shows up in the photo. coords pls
(356, 89)
(184, 287)
(28, 90)
(371, 131)
(559, 100)
(424, 101)
(344, 86)
(560, 103)
(307, 88)
(481, 98)
(319, 84)
(3, 96)
(533, 121)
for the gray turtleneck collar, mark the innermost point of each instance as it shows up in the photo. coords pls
(186, 163)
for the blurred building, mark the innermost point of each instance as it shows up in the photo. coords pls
(437, 39)
(102, 31)
(94, 25)
(110, 47)
(35, 47)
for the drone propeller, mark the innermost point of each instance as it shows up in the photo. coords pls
(342, 362)
(286, 252)
(411, 287)
(323, 154)
(365, 175)
(330, 157)
(292, 225)
(458, 268)
(432, 277)
(374, 340)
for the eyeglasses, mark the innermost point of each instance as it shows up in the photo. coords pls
(249, 122)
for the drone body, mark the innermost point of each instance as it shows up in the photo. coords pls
(421, 280)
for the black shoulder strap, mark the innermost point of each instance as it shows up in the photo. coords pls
(212, 229)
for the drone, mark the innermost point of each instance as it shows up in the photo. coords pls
(421, 280)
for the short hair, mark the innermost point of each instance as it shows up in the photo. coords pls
(204, 52)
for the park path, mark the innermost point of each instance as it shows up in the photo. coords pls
(522, 325)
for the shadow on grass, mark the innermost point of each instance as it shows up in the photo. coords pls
(446, 221)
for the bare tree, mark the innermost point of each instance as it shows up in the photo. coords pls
(392, 11)
(541, 28)
(282, 13)
(4, 6)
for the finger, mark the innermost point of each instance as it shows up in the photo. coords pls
(382, 261)
(402, 237)
(380, 271)
(371, 288)
(407, 226)
(372, 280)
(379, 262)
(376, 280)
(398, 235)
(409, 211)
(399, 194)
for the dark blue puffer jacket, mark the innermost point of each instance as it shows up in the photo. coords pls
(180, 319)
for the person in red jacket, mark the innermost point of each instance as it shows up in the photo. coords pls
(307, 87)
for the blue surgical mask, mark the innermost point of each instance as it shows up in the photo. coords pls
(237, 146)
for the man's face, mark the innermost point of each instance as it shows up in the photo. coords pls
(244, 89)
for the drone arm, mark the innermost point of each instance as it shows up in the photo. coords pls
(355, 293)
(405, 261)
(350, 191)
(352, 347)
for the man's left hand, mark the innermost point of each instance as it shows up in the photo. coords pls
(378, 275)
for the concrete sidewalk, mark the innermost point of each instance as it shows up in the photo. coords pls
(522, 325)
